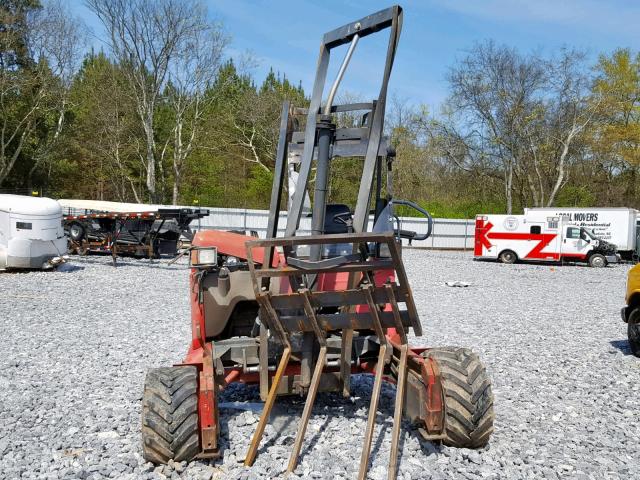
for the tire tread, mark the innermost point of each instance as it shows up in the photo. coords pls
(469, 414)
(170, 415)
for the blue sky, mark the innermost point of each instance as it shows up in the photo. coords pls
(286, 35)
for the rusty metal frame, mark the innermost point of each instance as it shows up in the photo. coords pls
(208, 406)
(292, 322)
(277, 308)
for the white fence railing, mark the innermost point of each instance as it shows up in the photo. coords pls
(447, 233)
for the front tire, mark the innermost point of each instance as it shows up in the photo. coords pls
(508, 257)
(597, 261)
(467, 396)
(170, 415)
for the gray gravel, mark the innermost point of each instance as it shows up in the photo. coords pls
(75, 345)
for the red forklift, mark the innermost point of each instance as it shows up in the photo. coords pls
(300, 314)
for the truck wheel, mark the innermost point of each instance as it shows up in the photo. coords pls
(598, 261)
(76, 232)
(170, 415)
(633, 332)
(467, 396)
(508, 257)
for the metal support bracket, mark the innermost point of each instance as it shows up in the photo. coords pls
(207, 406)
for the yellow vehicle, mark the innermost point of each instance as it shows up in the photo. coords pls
(631, 313)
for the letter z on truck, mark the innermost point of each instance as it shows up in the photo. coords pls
(532, 237)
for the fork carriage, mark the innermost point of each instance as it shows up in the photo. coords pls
(300, 314)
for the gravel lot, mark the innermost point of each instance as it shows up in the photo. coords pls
(75, 345)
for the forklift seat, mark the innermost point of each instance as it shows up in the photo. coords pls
(332, 226)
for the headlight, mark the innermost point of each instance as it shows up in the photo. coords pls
(382, 250)
(303, 251)
(231, 261)
(204, 257)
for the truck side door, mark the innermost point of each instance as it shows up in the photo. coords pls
(573, 244)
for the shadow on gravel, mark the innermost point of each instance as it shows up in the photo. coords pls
(69, 268)
(380, 438)
(64, 268)
(126, 261)
(316, 436)
(622, 345)
(160, 266)
(144, 263)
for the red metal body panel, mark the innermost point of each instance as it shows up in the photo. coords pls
(229, 243)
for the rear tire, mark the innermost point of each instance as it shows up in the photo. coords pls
(467, 396)
(597, 261)
(76, 232)
(170, 415)
(633, 333)
(508, 257)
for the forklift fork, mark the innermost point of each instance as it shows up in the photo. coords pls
(305, 310)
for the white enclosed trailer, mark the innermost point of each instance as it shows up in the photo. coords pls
(31, 232)
(613, 225)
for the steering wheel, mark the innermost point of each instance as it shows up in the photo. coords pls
(343, 219)
(409, 234)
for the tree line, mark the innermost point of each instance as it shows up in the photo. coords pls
(162, 113)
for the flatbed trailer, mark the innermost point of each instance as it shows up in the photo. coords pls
(138, 234)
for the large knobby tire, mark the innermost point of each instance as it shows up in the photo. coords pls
(170, 415)
(633, 333)
(468, 398)
(598, 261)
(508, 256)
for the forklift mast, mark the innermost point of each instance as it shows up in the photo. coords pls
(322, 141)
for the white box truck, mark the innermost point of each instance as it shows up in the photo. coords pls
(614, 225)
(31, 233)
(539, 236)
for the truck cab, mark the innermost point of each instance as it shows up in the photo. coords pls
(582, 243)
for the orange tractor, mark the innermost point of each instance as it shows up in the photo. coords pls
(299, 314)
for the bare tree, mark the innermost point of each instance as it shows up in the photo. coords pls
(190, 76)
(253, 128)
(549, 137)
(145, 37)
(59, 39)
(401, 117)
(353, 118)
(34, 88)
(570, 111)
(255, 134)
(496, 89)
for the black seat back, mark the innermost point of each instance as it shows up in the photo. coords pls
(332, 210)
